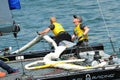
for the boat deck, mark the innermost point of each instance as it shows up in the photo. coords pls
(29, 73)
(112, 72)
(60, 74)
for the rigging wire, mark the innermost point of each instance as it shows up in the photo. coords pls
(101, 12)
(23, 71)
(15, 36)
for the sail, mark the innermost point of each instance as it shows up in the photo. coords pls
(7, 24)
(5, 13)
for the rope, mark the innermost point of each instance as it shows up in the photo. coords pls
(4, 59)
(101, 12)
(21, 61)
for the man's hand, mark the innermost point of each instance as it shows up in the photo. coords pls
(37, 32)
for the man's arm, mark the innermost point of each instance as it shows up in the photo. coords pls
(86, 30)
(44, 31)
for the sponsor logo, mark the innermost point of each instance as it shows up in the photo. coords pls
(89, 77)
(103, 76)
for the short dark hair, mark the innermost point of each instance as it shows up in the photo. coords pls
(78, 17)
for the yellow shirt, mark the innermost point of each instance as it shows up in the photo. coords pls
(79, 32)
(58, 28)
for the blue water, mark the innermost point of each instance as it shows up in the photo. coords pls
(34, 16)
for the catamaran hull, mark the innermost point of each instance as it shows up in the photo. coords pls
(97, 74)
(110, 72)
(37, 54)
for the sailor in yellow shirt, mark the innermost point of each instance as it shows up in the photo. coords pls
(80, 31)
(58, 31)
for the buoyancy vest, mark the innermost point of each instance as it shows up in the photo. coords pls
(79, 32)
(58, 28)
